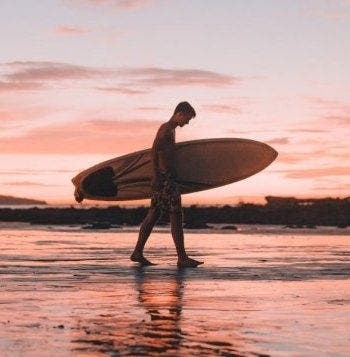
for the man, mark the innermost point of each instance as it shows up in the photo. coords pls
(166, 197)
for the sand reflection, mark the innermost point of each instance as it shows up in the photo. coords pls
(161, 298)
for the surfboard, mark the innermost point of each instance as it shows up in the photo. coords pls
(200, 165)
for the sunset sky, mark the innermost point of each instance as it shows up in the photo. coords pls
(82, 81)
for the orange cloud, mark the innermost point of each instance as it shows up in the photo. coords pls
(288, 157)
(341, 187)
(69, 30)
(19, 113)
(94, 136)
(315, 173)
(133, 4)
(281, 141)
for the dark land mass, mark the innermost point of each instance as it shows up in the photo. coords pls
(290, 212)
(10, 200)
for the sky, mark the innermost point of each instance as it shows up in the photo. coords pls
(83, 81)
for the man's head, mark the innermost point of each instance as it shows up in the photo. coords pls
(183, 113)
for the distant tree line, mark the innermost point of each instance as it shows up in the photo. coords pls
(293, 212)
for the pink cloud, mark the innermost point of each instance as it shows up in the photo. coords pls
(124, 5)
(20, 172)
(178, 77)
(46, 71)
(343, 119)
(121, 90)
(222, 108)
(94, 136)
(152, 76)
(148, 109)
(333, 111)
(252, 131)
(19, 86)
(308, 130)
(69, 30)
(24, 183)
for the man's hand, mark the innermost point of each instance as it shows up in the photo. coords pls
(78, 195)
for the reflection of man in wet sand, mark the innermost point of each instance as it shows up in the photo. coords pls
(162, 299)
(166, 197)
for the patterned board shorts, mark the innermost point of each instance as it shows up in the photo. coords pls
(166, 196)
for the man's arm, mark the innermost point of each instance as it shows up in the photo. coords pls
(167, 161)
(166, 153)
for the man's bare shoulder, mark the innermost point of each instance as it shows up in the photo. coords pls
(164, 129)
(163, 134)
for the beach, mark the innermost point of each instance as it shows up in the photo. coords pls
(74, 292)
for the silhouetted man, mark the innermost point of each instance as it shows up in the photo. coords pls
(166, 196)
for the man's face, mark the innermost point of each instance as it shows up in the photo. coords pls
(184, 119)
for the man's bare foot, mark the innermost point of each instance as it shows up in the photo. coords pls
(188, 263)
(139, 258)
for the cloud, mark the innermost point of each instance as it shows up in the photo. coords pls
(339, 119)
(69, 31)
(333, 111)
(308, 130)
(93, 136)
(316, 172)
(25, 183)
(19, 86)
(281, 141)
(252, 131)
(133, 4)
(52, 71)
(328, 103)
(177, 77)
(222, 108)
(121, 90)
(328, 10)
(149, 109)
(341, 187)
(289, 157)
(23, 72)
(19, 113)
(124, 5)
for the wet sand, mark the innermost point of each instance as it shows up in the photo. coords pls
(75, 293)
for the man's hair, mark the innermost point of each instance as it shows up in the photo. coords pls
(185, 108)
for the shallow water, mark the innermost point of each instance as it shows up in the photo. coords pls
(75, 293)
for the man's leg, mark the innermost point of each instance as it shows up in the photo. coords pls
(178, 236)
(145, 231)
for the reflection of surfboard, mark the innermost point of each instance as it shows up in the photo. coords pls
(200, 165)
